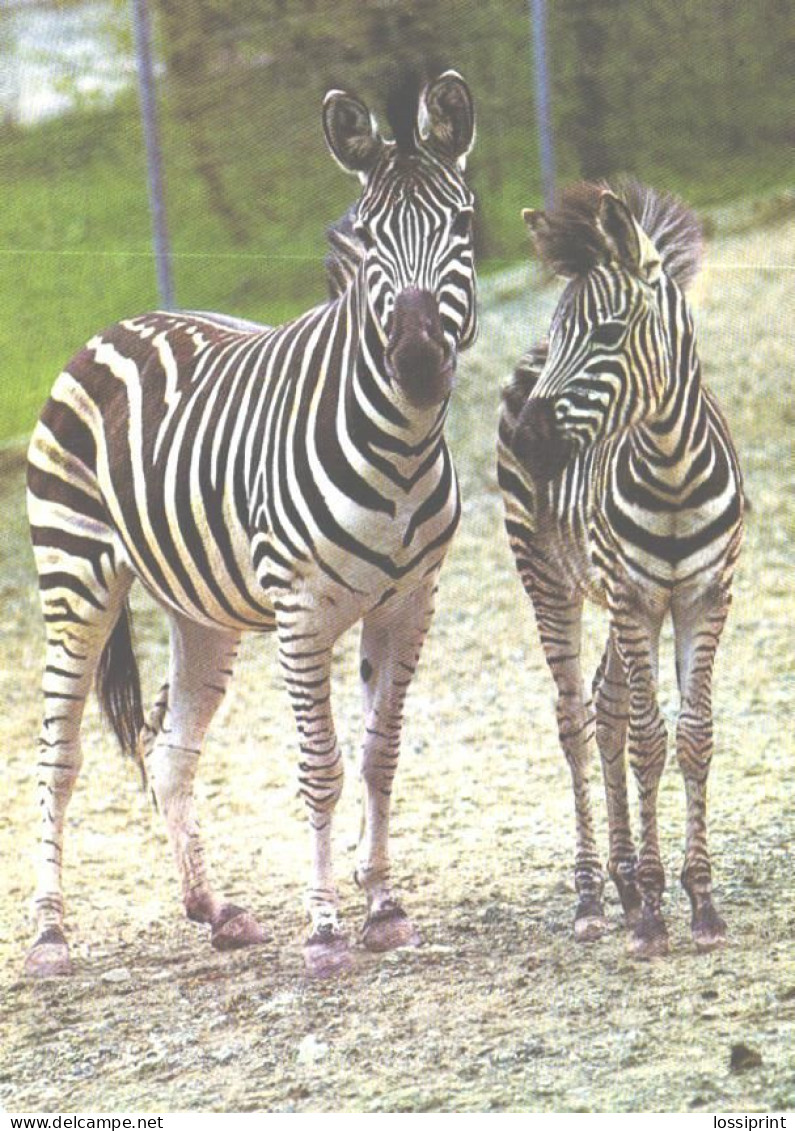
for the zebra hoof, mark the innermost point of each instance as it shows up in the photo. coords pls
(632, 916)
(235, 928)
(709, 930)
(388, 929)
(623, 876)
(49, 956)
(649, 937)
(326, 954)
(589, 921)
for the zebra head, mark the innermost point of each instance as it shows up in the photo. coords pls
(413, 226)
(607, 365)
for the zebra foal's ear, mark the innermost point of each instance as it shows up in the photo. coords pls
(351, 132)
(535, 220)
(446, 117)
(539, 229)
(621, 234)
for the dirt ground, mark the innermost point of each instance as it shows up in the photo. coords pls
(499, 1009)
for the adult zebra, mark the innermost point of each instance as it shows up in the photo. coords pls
(292, 479)
(621, 485)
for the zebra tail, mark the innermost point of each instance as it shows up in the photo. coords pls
(119, 686)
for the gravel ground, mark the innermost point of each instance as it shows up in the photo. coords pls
(499, 1009)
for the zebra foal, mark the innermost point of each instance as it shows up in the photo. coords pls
(294, 480)
(621, 486)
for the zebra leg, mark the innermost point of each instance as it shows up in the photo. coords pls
(82, 598)
(153, 724)
(697, 634)
(392, 639)
(200, 669)
(638, 642)
(559, 621)
(611, 700)
(306, 664)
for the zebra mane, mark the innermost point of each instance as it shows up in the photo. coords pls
(402, 102)
(572, 243)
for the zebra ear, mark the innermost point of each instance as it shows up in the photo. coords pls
(351, 133)
(538, 227)
(446, 117)
(620, 231)
(535, 220)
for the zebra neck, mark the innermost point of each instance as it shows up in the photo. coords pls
(666, 435)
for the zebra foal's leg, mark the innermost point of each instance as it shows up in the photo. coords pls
(559, 619)
(306, 665)
(611, 700)
(638, 642)
(200, 669)
(392, 639)
(82, 599)
(697, 631)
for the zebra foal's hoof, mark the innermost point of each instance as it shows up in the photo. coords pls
(235, 928)
(326, 953)
(709, 929)
(649, 937)
(388, 929)
(49, 956)
(589, 921)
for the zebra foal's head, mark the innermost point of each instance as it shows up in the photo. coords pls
(412, 228)
(608, 364)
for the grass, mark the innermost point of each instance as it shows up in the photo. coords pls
(75, 251)
(75, 235)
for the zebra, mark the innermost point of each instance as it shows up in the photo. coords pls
(292, 479)
(621, 485)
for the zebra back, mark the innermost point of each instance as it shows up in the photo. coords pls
(344, 255)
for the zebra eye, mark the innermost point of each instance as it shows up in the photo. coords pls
(608, 334)
(462, 225)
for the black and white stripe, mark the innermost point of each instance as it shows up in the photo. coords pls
(621, 485)
(292, 479)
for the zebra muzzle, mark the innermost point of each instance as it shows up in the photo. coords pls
(418, 357)
(537, 441)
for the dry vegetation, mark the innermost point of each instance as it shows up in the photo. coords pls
(498, 1009)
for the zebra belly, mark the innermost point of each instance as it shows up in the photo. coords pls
(246, 607)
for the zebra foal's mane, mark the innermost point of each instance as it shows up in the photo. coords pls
(571, 241)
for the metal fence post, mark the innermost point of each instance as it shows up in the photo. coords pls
(154, 165)
(538, 21)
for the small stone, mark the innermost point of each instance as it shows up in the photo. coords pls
(225, 1055)
(742, 1058)
(118, 974)
(311, 1050)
